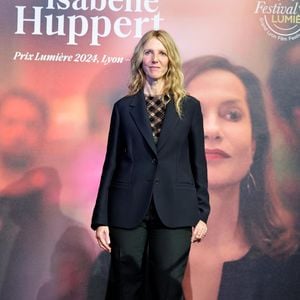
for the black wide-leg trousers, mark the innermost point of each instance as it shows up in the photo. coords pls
(148, 262)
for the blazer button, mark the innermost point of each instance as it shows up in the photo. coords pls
(154, 161)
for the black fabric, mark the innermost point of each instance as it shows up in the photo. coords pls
(148, 262)
(259, 277)
(173, 171)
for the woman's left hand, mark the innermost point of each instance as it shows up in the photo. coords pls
(199, 232)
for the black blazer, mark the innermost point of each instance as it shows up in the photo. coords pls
(135, 169)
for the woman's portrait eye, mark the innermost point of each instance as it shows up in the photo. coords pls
(233, 115)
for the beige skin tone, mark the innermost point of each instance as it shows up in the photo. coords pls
(229, 151)
(155, 65)
(45, 179)
(22, 133)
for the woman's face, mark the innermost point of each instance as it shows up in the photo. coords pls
(229, 145)
(155, 60)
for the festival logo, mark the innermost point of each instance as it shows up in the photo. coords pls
(280, 19)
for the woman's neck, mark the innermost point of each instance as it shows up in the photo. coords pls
(154, 87)
(223, 224)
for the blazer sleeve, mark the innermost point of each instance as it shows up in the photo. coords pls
(100, 212)
(198, 161)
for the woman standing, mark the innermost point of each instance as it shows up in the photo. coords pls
(153, 188)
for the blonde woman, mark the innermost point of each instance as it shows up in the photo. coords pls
(152, 200)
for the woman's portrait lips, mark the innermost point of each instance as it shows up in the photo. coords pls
(216, 154)
(154, 68)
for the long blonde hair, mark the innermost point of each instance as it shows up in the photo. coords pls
(173, 87)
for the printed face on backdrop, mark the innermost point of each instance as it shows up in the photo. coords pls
(155, 60)
(229, 145)
(21, 132)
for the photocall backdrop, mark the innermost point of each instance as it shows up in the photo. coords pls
(63, 65)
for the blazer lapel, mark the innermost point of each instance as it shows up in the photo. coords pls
(169, 123)
(139, 114)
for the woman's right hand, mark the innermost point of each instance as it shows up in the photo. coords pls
(102, 236)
